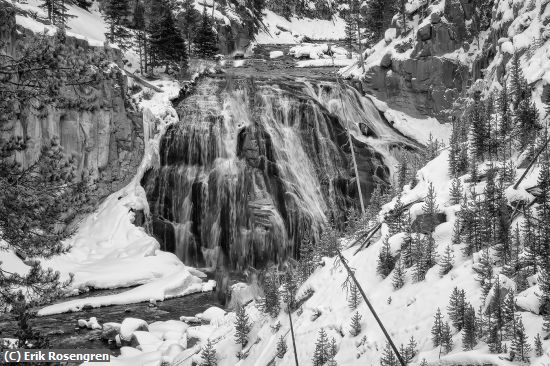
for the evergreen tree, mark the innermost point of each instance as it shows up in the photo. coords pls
(447, 261)
(351, 37)
(388, 357)
(494, 341)
(424, 362)
(538, 346)
(354, 297)
(140, 35)
(508, 313)
(505, 123)
(116, 13)
(411, 351)
(526, 120)
(242, 326)
(386, 262)
(205, 41)
(394, 218)
(478, 123)
(544, 295)
(398, 279)
(456, 191)
(308, 258)
(322, 353)
(271, 291)
(355, 324)
(281, 347)
(520, 344)
(188, 22)
(290, 288)
(57, 12)
(166, 42)
(518, 84)
(420, 268)
(469, 331)
(543, 209)
(208, 355)
(430, 208)
(437, 329)
(447, 338)
(379, 14)
(484, 272)
(432, 148)
(530, 242)
(407, 250)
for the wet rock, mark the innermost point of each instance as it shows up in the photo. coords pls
(422, 222)
(110, 331)
(386, 61)
(425, 33)
(435, 18)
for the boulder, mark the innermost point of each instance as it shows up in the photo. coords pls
(131, 325)
(386, 60)
(435, 18)
(422, 225)
(211, 313)
(110, 331)
(425, 33)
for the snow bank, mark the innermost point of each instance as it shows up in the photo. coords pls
(82, 24)
(276, 54)
(282, 31)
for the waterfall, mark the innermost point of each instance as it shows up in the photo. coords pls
(254, 167)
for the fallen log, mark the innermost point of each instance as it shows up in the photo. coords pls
(143, 82)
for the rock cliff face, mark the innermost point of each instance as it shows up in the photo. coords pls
(423, 76)
(96, 128)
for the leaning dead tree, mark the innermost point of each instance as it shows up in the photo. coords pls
(351, 275)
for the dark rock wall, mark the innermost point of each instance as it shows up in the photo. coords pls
(100, 131)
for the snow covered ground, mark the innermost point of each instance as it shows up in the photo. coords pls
(81, 24)
(283, 31)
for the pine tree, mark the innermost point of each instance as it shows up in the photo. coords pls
(520, 345)
(322, 352)
(424, 362)
(354, 297)
(388, 357)
(518, 83)
(544, 295)
(447, 261)
(355, 324)
(398, 279)
(140, 36)
(281, 347)
(411, 350)
(469, 331)
(407, 250)
(308, 258)
(386, 262)
(208, 355)
(205, 41)
(437, 329)
(57, 12)
(379, 14)
(543, 209)
(456, 191)
(479, 127)
(188, 22)
(290, 288)
(430, 208)
(167, 43)
(351, 37)
(505, 123)
(271, 290)
(447, 338)
(538, 346)
(508, 313)
(394, 218)
(242, 326)
(420, 268)
(115, 13)
(494, 341)
(484, 272)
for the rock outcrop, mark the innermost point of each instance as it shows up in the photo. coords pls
(94, 123)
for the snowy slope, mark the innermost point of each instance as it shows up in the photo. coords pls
(282, 31)
(88, 25)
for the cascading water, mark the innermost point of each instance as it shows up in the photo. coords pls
(253, 167)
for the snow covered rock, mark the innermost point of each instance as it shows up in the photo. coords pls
(131, 325)
(211, 313)
(93, 323)
(276, 54)
(143, 338)
(82, 323)
(110, 331)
